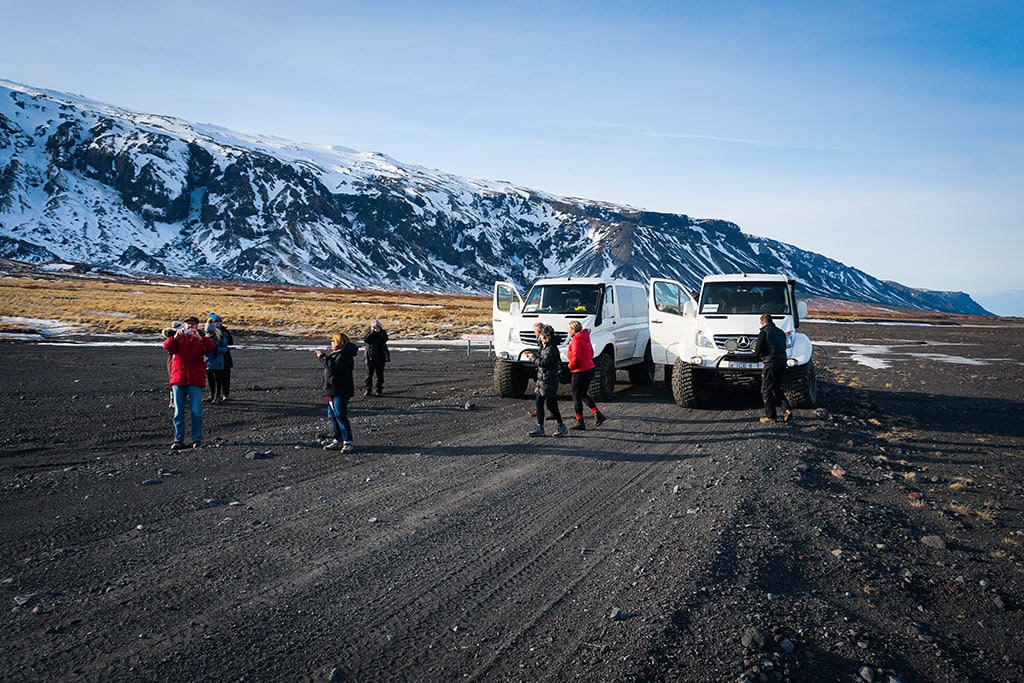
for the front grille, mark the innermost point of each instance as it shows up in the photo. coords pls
(528, 337)
(744, 344)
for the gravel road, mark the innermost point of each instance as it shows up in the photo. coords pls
(878, 537)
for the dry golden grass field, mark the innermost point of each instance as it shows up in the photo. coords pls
(106, 304)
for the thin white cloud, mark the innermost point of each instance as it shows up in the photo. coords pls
(737, 141)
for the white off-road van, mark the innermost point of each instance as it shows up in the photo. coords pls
(709, 340)
(613, 310)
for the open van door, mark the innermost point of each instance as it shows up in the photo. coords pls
(506, 305)
(669, 306)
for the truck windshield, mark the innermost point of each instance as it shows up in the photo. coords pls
(745, 297)
(564, 299)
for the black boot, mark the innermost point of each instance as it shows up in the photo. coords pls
(599, 418)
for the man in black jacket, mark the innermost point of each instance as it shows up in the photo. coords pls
(377, 355)
(771, 349)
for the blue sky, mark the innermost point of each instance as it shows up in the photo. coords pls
(886, 135)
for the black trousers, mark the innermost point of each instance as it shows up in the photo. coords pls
(551, 400)
(374, 367)
(771, 389)
(580, 384)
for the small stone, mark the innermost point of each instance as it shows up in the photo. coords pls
(934, 542)
(867, 674)
(618, 615)
(152, 482)
(998, 601)
(259, 455)
(786, 645)
(754, 639)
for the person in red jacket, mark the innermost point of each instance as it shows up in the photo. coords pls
(581, 365)
(188, 349)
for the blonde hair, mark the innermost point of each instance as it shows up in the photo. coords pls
(575, 325)
(339, 339)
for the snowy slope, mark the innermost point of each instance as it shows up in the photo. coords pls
(90, 183)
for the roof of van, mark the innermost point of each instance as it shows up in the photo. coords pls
(587, 281)
(735, 277)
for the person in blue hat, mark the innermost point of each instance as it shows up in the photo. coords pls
(225, 377)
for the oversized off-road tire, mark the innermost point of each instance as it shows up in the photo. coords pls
(686, 384)
(800, 385)
(602, 387)
(642, 375)
(510, 379)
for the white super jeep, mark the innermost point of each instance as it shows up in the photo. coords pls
(710, 340)
(613, 310)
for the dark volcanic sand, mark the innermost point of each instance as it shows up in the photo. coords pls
(882, 530)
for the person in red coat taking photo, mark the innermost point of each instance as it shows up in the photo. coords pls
(188, 349)
(581, 365)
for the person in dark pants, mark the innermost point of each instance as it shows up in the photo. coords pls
(339, 364)
(770, 347)
(581, 365)
(547, 382)
(225, 386)
(377, 355)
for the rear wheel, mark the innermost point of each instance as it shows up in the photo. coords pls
(643, 374)
(686, 384)
(602, 387)
(510, 379)
(800, 385)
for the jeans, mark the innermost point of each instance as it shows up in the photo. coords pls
(337, 413)
(193, 398)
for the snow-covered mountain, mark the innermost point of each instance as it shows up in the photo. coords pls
(90, 183)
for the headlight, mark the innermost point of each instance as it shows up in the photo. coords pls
(702, 340)
(790, 340)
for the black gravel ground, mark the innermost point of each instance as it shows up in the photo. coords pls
(878, 537)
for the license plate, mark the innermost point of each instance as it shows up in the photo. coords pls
(744, 366)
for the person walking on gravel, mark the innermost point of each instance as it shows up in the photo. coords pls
(547, 382)
(581, 365)
(339, 386)
(770, 347)
(377, 355)
(188, 349)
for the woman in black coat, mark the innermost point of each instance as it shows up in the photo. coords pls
(548, 362)
(339, 387)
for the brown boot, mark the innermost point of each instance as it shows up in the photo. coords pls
(599, 418)
(579, 424)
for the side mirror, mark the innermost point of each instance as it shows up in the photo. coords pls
(609, 309)
(801, 309)
(514, 308)
(689, 309)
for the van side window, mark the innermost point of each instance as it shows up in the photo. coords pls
(669, 297)
(505, 298)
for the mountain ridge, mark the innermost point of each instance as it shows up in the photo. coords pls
(86, 182)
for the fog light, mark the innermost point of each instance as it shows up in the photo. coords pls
(791, 362)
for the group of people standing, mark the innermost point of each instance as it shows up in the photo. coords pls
(195, 358)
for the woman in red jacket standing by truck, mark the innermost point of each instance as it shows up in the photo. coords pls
(188, 349)
(581, 365)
